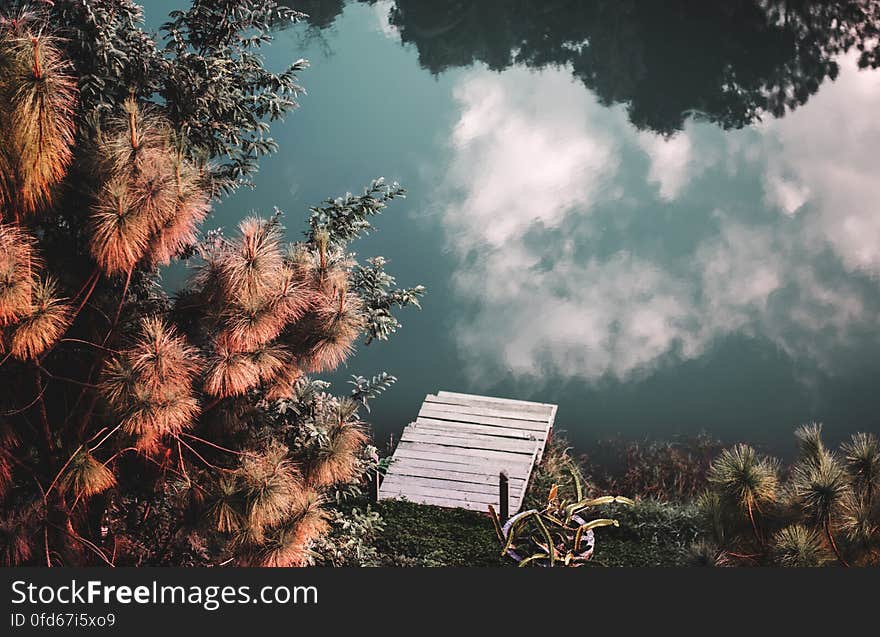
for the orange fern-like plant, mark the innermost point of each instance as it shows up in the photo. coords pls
(39, 97)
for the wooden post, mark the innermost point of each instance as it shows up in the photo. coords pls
(503, 501)
(375, 481)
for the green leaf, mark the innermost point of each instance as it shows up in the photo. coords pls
(551, 549)
(532, 558)
(605, 499)
(595, 524)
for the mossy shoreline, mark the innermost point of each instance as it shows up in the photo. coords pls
(651, 533)
(683, 503)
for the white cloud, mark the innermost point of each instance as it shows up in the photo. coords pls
(671, 161)
(831, 144)
(586, 319)
(524, 157)
(536, 186)
(787, 195)
(382, 11)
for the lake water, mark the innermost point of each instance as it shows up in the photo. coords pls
(603, 206)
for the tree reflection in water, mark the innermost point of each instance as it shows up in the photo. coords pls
(730, 62)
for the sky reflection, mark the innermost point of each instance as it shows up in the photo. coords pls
(589, 249)
(718, 279)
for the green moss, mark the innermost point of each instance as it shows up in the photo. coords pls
(650, 534)
(423, 535)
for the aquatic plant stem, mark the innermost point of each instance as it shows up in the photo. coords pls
(830, 536)
(754, 524)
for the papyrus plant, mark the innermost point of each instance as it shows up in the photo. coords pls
(139, 428)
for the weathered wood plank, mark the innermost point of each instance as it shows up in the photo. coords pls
(515, 411)
(403, 483)
(488, 430)
(526, 425)
(413, 490)
(469, 441)
(452, 499)
(441, 502)
(440, 473)
(512, 414)
(514, 468)
(457, 452)
(550, 423)
(481, 469)
(490, 399)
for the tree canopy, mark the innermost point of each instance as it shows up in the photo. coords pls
(727, 62)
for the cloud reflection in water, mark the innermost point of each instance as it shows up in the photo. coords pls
(589, 249)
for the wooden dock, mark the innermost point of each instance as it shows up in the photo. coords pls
(451, 456)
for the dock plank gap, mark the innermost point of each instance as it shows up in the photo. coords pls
(454, 452)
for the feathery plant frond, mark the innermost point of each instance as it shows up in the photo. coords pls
(230, 372)
(280, 549)
(160, 357)
(9, 440)
(799, 546)
(153, 414)
(85, 476)
(819, 488)
(862, 455)
(43, 325)
(252, 267)
(19, 264)
(270, 360)
(311, 517)
(338, 461)
(38, 96)
(140, 195)
(272, 487)
(7, 186)
(819, 484)
(135, 138)
(283, 386)
(711, 507)
(812, 449)
(702, 553)
(120, 234)
(745, 479)
(154, 186)
(254, 295)
(226, 511)
(150, 383)
(328, 332)
(337, 458)
(118, 384)
(321, 269)
(179, 233)
(859, 518)
(288, 545)
(251, 323)
(16, 542)
(335, 413)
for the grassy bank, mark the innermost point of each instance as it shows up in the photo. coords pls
(651, 533)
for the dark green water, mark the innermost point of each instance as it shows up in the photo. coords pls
(664, 217)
